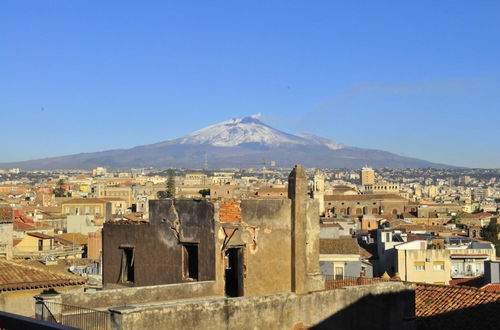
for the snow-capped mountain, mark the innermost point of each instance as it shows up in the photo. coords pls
(239, 142)
(250, 130)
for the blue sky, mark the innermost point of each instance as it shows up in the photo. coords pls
(419, 78)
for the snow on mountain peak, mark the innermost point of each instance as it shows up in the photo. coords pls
(238, 131)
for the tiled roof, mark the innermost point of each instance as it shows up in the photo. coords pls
(14, 276)
(342, 245)
(73, 238)
(492, 287)
(476, 282)
(432, 299)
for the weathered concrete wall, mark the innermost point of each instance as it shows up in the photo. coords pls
(269, 222)
(380, 306)
(157, 249)
(140, 295)
(22, 302)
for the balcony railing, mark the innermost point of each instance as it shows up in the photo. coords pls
(73, 316)
(54, 252)
(470, 273)
(332, 284)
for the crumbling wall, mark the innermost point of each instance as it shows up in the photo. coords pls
(269, 252)
(261, 227)
(139, 295)
(157, 244)
(380, 306)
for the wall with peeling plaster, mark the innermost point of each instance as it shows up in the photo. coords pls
(265, 232)
(157, 248)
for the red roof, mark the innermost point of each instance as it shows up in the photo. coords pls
(31, 225)
(433, 299)
(476, 282)
(491, 287)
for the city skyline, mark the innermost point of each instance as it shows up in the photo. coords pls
(417, 80)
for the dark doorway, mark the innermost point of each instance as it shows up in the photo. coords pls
(190, 261)
(234, 272)
(128, 273)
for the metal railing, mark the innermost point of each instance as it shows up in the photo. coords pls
(74, 316)
(332, 284)
(40, 253)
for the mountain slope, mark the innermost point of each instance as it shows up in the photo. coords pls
(239, 142)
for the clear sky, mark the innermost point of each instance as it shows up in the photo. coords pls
(418, 78)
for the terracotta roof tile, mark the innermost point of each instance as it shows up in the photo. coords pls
(491, 287)
(73, 238)
(342, 245)
(14, 276)
(432, 299)
(476, 282)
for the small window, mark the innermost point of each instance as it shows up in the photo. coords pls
(339, 273)
(128, 273)
(190, 261)
(419, 265)
(438, 265)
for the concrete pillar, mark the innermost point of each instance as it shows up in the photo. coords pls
(305, 235)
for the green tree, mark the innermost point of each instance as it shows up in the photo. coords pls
(490, 233)
(60, 191)
(204, 192)
(162, 194)
(170, 183)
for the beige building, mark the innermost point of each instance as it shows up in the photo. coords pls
(99, 208)
(418, 261)
(369, 204)
(222, 178)
(194, 179)
(381, 188)
(123, 192)
(34, 241)
(367, 176)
